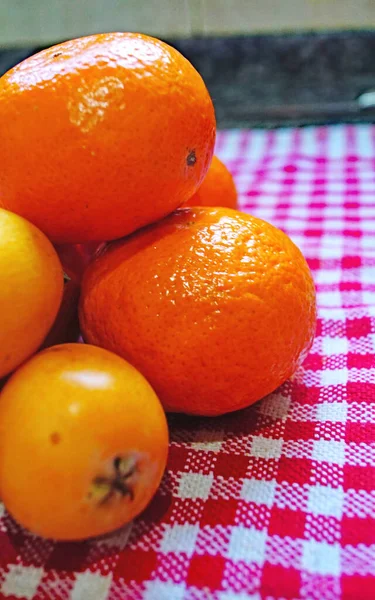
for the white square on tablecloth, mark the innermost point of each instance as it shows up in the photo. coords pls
(331, 247)
(366, 187)
(91, 585)
(247, 544)
(368, 297)
(230, 148)
(334, 377)
(367, 243)
(332, 314)
(308, 141)
(238, 596)
(195, 485)
(368, 275)
(335, 345)
(334, 211)
(336, 187)
(275, 406)
(364, 140)
(328, 276)
(258, 491)
(160, 590)
(325, 500)
(365, 212)
(257, 147)
(21, 581)
(336, 143)
(263, 447)
(179, 538)
(330, 451)
(270, 187)
(321, 558)
(336, 412)
(331, 299)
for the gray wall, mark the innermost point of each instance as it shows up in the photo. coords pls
(46, 21)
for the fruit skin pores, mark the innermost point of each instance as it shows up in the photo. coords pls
(215, 308)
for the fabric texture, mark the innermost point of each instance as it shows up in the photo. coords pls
(277, 501)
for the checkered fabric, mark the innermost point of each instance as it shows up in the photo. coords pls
(277, 501)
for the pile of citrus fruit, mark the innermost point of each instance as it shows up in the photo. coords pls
(186, 304)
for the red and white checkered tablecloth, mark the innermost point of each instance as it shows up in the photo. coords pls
(277, 501)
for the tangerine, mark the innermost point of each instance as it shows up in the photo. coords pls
(102, 135)
(215, 307)
(217, 188)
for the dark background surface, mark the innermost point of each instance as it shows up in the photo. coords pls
(275, 80)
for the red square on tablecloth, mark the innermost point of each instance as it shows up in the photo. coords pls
(206, 571)
(280, 582)
(287, 522)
